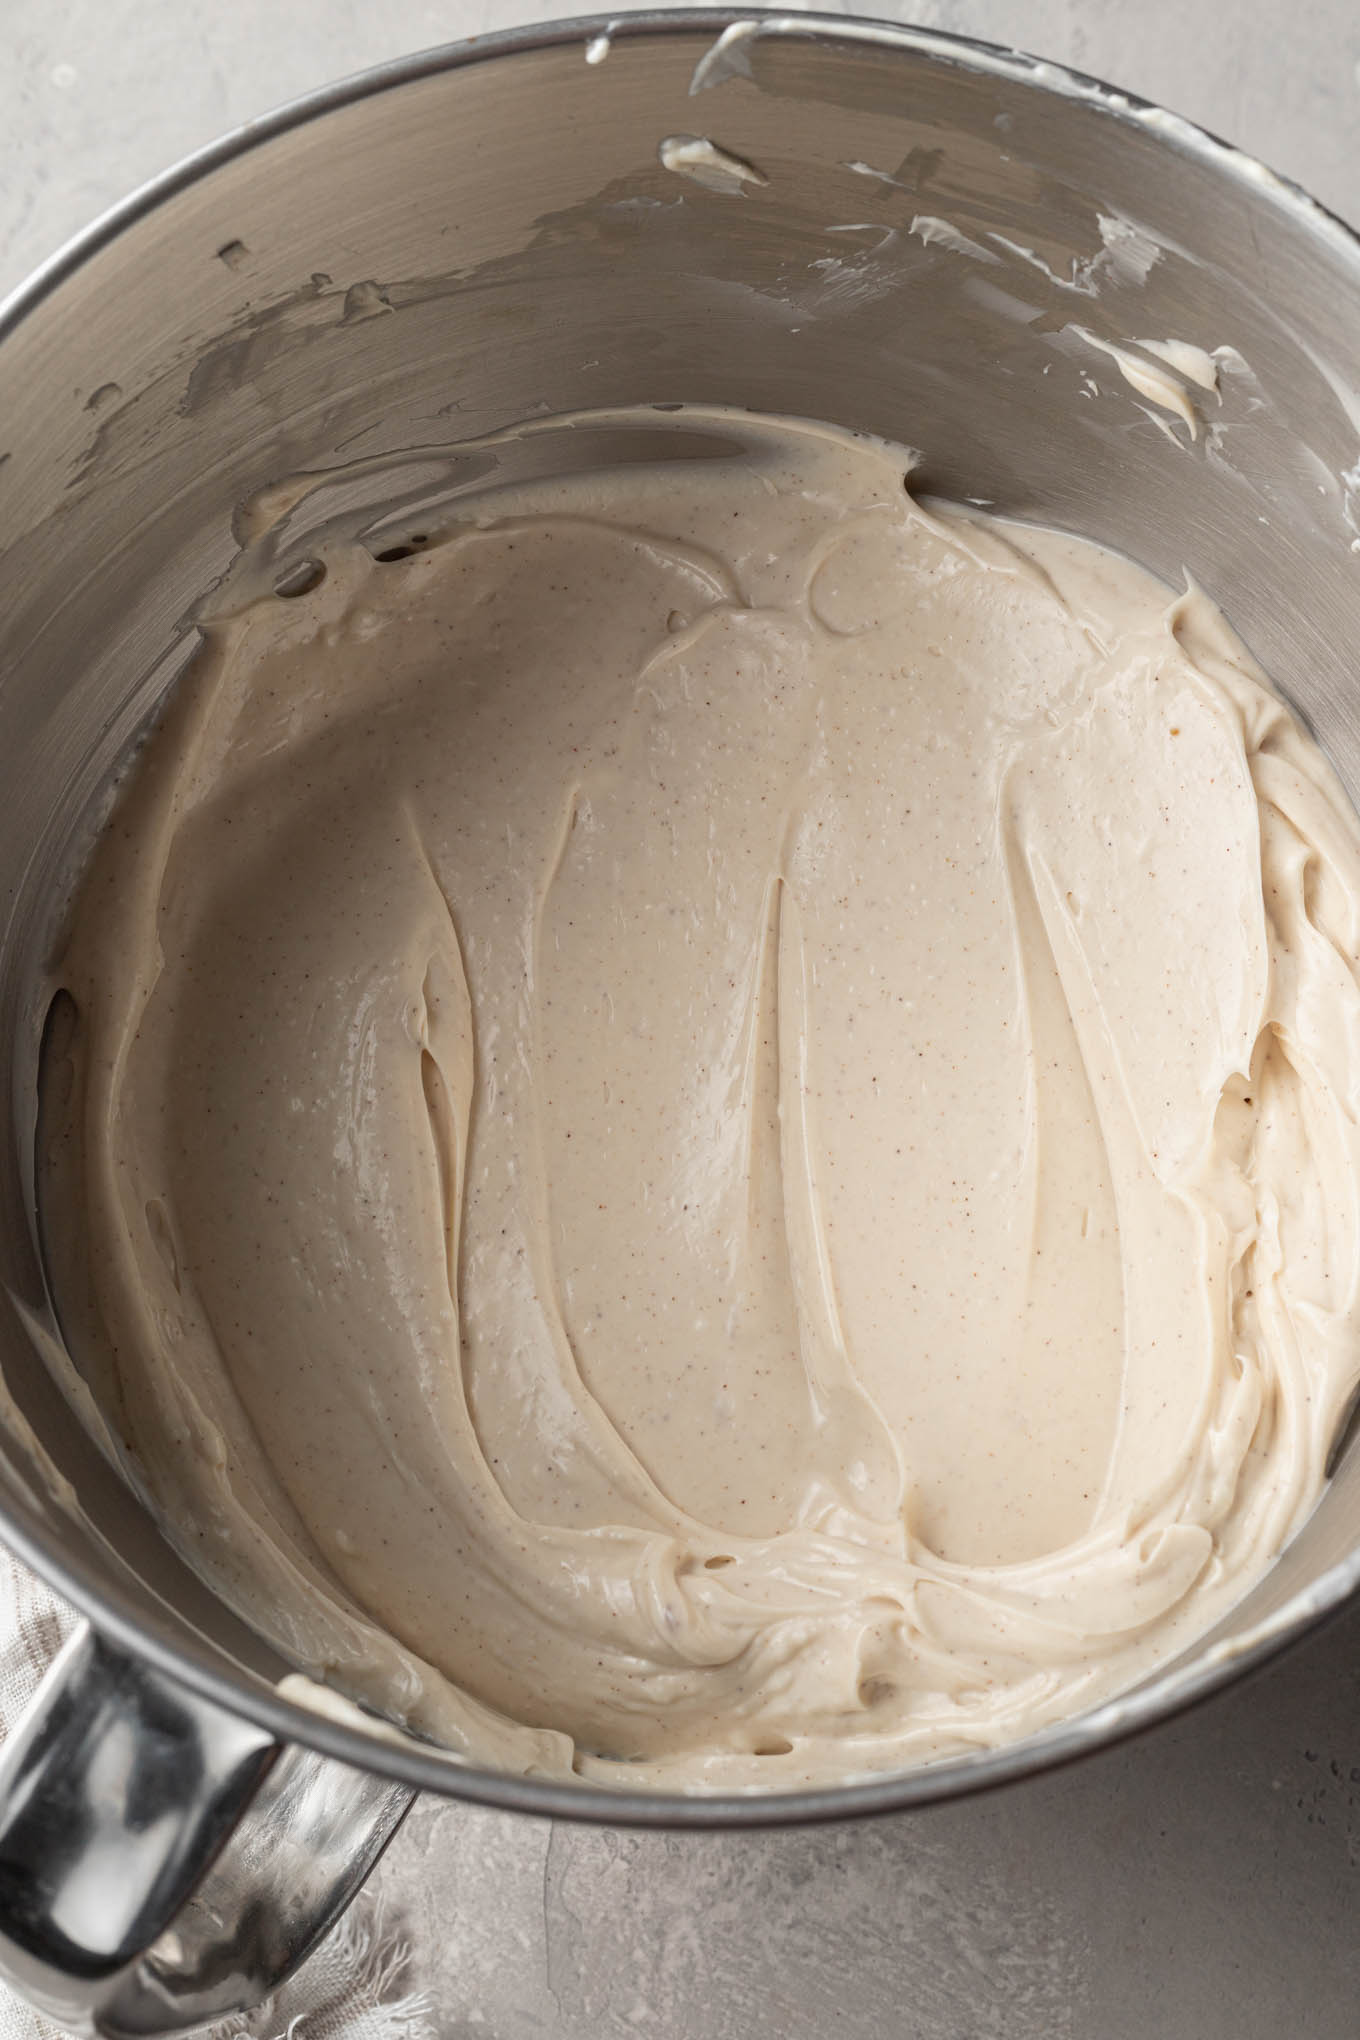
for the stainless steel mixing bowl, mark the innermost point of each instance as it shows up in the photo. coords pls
(932, 240)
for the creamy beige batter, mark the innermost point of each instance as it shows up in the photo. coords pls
(713, 1123)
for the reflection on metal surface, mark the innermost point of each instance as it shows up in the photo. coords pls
(116, 1790)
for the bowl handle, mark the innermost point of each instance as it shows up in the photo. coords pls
(163, 1862)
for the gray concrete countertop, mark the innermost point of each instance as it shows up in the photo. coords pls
(1201, 1884)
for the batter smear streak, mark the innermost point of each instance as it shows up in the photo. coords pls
(1074, 1223)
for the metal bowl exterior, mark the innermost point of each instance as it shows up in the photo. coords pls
(451, 243)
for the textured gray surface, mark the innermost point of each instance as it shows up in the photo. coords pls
(1200, 1885)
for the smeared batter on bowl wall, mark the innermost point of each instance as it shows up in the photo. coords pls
(707, 1128)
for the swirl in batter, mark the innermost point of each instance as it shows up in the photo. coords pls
(708, 1130)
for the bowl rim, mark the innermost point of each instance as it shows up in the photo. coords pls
(113, 1611)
